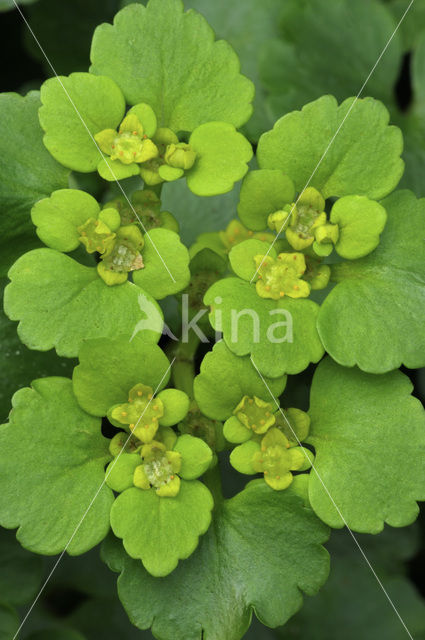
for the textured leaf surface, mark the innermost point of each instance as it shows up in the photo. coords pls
(20, 571)
(9, 622)
(162, 531)
(385, 293)
(263, 192)
(223, 156)
(232, 573)
(22, 365)
(297, 68)
(299, 347)
(369, 438)
(58, 217)
(246, 26)
(225, 378)
(352, 600)
(52, 464)
(109, 368)
(364, 158)
(27, 173)
(74, 109)
(60, 303)
(174, 64)
(157, 279)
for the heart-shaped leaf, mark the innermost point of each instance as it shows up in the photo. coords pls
(58, 217)
(360, 222)
(27, 173)
(281, 336)
(226, 378)
(369, 438)
(161, 531)
(364, 157)
(262, 552)
(174, 64)
(60, 303)
(156, 278)
(292, 71)
(263, 192)
(110, 368)
(74, 109)
(52, 465)
(222, 158)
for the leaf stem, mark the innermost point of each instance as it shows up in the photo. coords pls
(184, 365)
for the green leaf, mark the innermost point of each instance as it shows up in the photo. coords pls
(120, 472)
(224, 380)
(20, 571)
(263, 192)
(74, 109)
(384, 292)
(222, 158)
(352, 600)
(9, 622)
(292, 71)
(364, 157)
(22, 365)
(246, 26)
(156, 278)
(262, 553)
(369, 437)
(51, 467)
(241, 457)
(196, 456)
(176, 405)
(242, 256)
(360, 221)
(249, 323)
(27, 173)
(173, 64)
(58, 217)
(60, 303)
(413, 25)
(109, 368)
(162, 531)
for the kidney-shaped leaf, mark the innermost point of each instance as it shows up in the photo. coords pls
(225, 378)
(60, 303)
(374, 317)
(363, 159)
(262, 552)
(109, 368)
(74, 109)
(52, 464)
(161, 531)
(369, 437)
(281, 336)
(27, 173)
(170, 59)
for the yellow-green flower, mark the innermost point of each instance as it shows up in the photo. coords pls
(141, 413)
(273, 456)
(281, 276)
